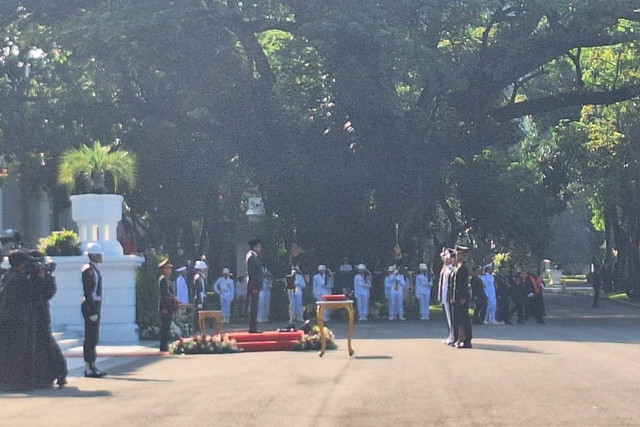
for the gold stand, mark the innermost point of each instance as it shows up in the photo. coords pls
(334, 305)
(203, 315)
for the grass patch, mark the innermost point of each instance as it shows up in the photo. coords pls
(574, 281)
(622, 296)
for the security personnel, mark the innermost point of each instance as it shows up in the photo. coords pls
(167, 304)
(91, 309)
(224, 287)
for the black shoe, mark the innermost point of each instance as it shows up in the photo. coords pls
(254, 332)
(62, 381)
(94, 373)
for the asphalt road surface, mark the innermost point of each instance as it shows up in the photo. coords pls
(581, 368)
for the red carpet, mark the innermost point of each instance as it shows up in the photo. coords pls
(266, 341)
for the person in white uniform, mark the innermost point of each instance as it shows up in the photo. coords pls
(296, 311)
(264, 301)
(490, 291)
(322, 285)
(362, 290)
(443, 291)
(182, 290)
(224, 287)
(395, 284)
(424, 282)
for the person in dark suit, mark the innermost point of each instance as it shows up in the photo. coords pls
(460, 300)
(91, 308)
(167, 303)
(17, 328)
(254, 271)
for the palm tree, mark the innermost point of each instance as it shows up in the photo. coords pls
(97, 169)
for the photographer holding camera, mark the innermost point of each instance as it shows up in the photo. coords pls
(50, 364)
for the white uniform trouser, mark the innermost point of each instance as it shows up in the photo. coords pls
(447, 312)
(225, 305)
(264, 303)
(423, 300)
(490, 317)
(362, 299)
(396, 303)
(295, 303)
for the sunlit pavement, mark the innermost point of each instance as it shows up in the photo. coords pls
(580, 368)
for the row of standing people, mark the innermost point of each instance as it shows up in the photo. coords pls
(511, 291)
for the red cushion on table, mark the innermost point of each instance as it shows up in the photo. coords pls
(267, 345)
(266, 336)
(338, 297)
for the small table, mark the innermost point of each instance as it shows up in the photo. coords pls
(334, 305)
(203, 315)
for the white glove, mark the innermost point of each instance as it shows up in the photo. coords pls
(199, 306)
(93, 317)
(530, 295)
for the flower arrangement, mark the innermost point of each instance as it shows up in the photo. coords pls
(311, 340)
(204, 344)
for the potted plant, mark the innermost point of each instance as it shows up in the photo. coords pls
(60, 243)
(98, 169)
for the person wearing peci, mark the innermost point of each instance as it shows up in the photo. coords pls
(424, 282)
(478, 295)
(254, 284)
(91, 309)
(168, 303)
(224, 287)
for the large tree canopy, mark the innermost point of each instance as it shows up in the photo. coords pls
(348, 117)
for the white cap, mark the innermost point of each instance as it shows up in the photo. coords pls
(200, 265)
(225, 271)
(93, 249)
(391, 268)
(423, 266)
(181, 269)
(5, 263)
(361, 267)
(322, 267)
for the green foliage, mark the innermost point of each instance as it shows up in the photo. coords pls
(116, 167)
(60, 243)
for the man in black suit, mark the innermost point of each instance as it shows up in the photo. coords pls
(460, 300)
(254, 271)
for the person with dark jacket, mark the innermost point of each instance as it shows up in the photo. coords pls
(91, 309)
(460, 300)
(50, 364)
(478, 295)
(17, 331)
(254, 285)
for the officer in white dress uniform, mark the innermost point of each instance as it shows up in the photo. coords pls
(490, 291)
(224, 287)
(395, 284)
(296, 311)
(443, 291)
(182, 290)
(322, 285)
(264, 300)
(424, 282)
(362, 288)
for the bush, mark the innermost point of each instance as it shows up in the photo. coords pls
(60, 243)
